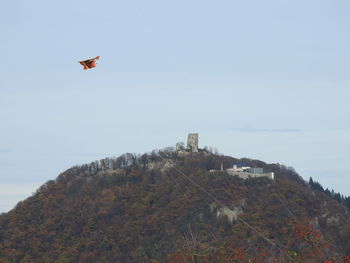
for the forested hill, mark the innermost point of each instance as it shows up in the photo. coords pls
(167, 207)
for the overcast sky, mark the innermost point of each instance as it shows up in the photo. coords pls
(267, 80)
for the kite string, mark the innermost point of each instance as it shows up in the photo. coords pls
(295, 218)
(220, 203)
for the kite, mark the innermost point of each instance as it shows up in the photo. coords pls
(89, 63)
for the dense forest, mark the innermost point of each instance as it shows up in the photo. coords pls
(345, 200)
(167, 207)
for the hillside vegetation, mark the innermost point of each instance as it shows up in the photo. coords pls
(165, 207)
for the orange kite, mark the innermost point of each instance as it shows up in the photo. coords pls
(89, 63)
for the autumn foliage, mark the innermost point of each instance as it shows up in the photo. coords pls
(305, 244)
(142, 209)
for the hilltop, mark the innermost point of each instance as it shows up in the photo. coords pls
(143, 208)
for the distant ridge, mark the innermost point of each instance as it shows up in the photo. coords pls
(143, 208)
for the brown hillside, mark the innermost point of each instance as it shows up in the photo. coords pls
(143, 208)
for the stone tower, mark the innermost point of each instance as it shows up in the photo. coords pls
(192, 142)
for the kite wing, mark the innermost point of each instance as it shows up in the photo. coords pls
(89, 63)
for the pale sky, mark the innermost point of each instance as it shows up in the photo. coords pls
(267, 80)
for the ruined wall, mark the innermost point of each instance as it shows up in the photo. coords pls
(192, 142)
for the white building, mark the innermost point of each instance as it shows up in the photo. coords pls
(246, 172)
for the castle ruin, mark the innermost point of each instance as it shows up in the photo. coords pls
(244, 172)
(192, 142)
